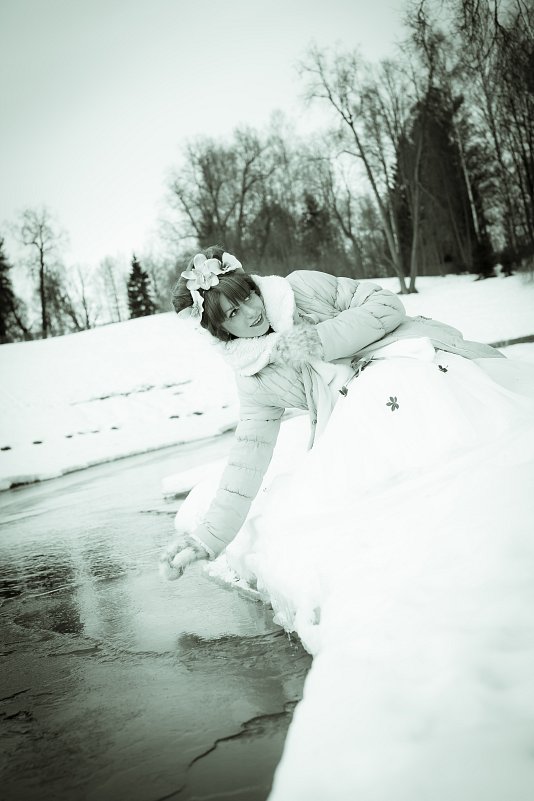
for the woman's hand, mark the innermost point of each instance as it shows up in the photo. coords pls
(178, 556)
(299, 344)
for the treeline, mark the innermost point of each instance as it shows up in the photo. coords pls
(65, 299)
(427, 168)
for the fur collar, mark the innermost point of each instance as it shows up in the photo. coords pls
(248, 356)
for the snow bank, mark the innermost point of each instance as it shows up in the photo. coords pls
(127, 388)
(493, 310)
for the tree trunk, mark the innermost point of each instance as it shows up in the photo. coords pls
(415, 242)
(42, 293)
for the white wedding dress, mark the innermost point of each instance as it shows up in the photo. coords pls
(400, 550)
(413, 419)
(409, 412)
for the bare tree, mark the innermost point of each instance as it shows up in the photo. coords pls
(40, 233)
(490, 44)
(162, 272)
(392, 100)
(81, 305)
(328, 174)
(344, 82)
(113, 280)
(515, 68)
(215, 190)
(237, 194)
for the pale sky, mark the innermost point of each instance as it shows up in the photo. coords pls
(97, 97)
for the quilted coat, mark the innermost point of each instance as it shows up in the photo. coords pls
(351, 318)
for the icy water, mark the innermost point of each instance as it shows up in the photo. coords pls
(114, 683)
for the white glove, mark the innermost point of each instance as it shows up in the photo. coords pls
(299, 344)
(178, 555)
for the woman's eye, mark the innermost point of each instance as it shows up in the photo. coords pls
(232, 313)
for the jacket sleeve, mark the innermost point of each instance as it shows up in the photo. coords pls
(350, 314)
(250, 455)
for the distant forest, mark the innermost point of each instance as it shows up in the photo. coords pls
(427, 168)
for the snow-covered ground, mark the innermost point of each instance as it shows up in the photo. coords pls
(74, 401)
(422, 684)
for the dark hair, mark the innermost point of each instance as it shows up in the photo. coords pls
(235, 286)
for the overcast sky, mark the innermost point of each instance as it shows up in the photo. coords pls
(97, 96)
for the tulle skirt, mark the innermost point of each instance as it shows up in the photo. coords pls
(412, 410)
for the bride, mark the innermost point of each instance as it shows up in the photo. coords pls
(391, 399)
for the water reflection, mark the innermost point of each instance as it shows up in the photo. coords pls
(134, 676)
(35, 575)
(61, 617)
(9, 588)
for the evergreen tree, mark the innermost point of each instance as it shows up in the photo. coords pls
(317, 231)
(12, 325)
(451, 227)
(140, 302)
(273, 238)
(7, 296)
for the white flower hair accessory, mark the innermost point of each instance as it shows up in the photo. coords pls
(203, 275)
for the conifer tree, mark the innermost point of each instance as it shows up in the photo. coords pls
(6, 295)
(140, 302)
(448, 228)
(318, 232)
(12, 326)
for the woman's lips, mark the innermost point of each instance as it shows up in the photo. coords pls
(258, 321)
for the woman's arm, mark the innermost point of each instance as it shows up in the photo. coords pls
(250, 455)
(349, 314)
(241, 480)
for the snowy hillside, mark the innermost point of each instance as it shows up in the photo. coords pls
(85, 398)
(77, 400)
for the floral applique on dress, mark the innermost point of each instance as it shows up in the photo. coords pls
(392, 402)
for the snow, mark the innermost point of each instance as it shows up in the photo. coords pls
(493, 310)
(74, 401)
(422, 684)
(422, 681)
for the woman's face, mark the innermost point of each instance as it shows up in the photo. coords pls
(247, 319)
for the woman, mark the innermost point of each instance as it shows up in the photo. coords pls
(386, 394)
